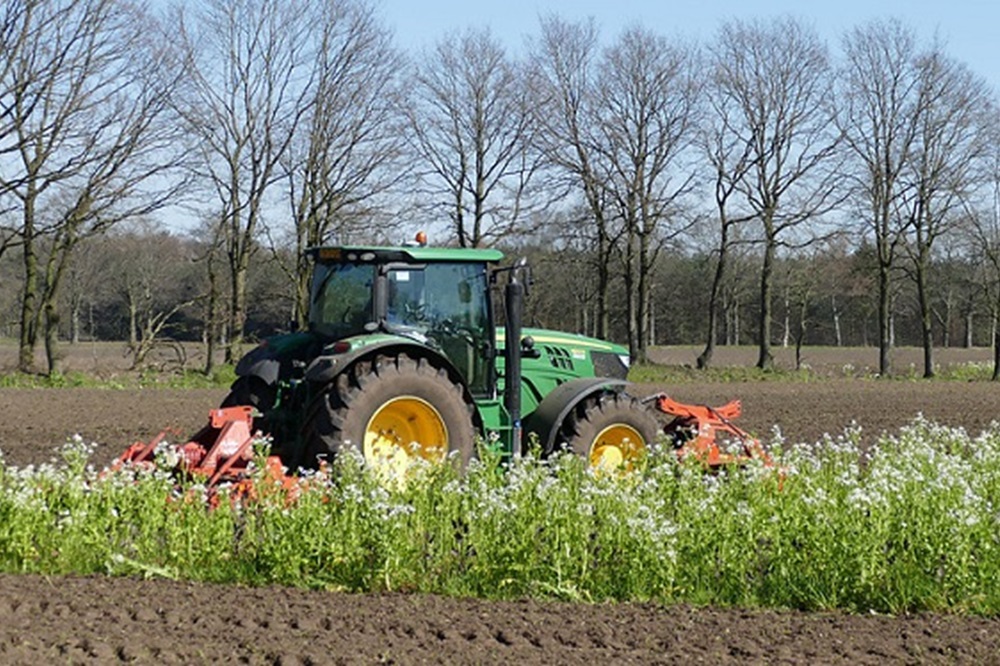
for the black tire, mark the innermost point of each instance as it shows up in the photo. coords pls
(253, 392)
(602, 430)
(369, 392)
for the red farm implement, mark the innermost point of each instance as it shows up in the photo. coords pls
(702, 432)
(220, 453)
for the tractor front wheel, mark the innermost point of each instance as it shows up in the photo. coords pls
(612, 432)
(396, 411)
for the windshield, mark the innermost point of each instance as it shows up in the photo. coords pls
(341, 299)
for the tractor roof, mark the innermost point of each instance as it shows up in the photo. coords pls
(409, 254)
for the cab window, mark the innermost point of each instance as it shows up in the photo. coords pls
(341, 299)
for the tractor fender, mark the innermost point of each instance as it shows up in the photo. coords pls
(259, 362)
(266, 369)
(546, 420)
(324, 369)
(272, 359)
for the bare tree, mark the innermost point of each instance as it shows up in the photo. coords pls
(777, 75)
(563, 83)
(647, 107)
(85, 96)
(351, 144)
(880, 89)
(731, 157)
(153, 282)
(983, 233)
(952, 139)
(471, 126)
(252, 64)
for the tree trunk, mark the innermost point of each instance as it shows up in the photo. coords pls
(237, 313)
(786, 335)
(765, 360)
(133, 322)
(705, 358)
(74, 322)
(926, 332)
(603, 323)
(54, 273)
(52, 336)
(836, 321)
(29, 294)
(630, 300)
(643, 298)
(211, 317)
(884, 322)
(733, 333)
(651, 327)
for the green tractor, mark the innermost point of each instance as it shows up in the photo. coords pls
(402, 359)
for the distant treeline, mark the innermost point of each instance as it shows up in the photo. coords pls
(147, 287)
(763, 186)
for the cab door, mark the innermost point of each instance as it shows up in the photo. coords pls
(448, 304)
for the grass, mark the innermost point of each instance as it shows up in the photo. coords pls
(910, 525)
(222, 376)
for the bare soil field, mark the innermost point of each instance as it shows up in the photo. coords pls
(832, 362)
(113, 620)
(116, 620)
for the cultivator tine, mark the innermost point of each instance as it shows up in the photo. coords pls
(140, 452)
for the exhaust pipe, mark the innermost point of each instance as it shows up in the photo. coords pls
(513, 307)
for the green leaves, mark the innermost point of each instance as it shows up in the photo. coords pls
(909, 524)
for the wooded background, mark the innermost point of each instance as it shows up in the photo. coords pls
(160, 174)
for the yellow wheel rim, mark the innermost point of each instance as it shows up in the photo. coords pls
(616, 449)
(402, 431)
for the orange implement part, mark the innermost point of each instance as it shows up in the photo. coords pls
(218, 453)
(696, 430)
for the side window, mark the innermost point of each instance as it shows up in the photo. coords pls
(342, 299)
(447, 303)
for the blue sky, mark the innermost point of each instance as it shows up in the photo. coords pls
(970, 28)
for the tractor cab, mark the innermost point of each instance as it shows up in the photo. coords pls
(438, 297)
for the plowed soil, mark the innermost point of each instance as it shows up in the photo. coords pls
(114, 620)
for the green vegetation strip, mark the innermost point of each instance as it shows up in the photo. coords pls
(222, 376)
(910, 525)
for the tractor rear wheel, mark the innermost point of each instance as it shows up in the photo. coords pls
(253, 392)
(611, 431)
(394, 410)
